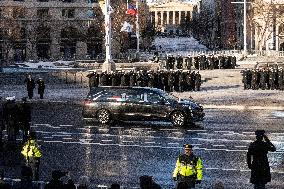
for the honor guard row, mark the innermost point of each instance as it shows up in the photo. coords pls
(264, 79)
(168, 80)
(200, 62)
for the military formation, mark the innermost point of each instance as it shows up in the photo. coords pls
(167, 80)
(200, 62)
(265, 79)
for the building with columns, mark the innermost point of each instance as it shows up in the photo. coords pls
(170, 14)
(48, 29)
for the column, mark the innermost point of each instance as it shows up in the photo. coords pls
(156, 18)
(179, 17)
(162, 18)
(174, 17)
(168, 17)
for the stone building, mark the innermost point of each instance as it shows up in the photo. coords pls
(167, 16)
(49, 29)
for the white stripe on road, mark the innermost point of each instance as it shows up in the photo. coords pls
(243, 107)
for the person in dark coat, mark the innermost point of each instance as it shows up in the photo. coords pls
(30, 86)
(91, 77)
(10, 114)
(147, 182)
(25, 118)
(197, 81)
(26, 179)
(55, 182)
(41, 87)
(257, 160)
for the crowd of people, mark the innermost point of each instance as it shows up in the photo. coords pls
(265, 79)
(172, 80)
(200, 62)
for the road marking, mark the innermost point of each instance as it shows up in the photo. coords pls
(66, 125)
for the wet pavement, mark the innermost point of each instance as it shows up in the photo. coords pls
(124, 151)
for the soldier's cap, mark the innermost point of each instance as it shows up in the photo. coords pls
(187, 146)
(32, 135)
(259, 132)
(11, 98)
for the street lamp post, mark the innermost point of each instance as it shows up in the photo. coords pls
(109, 64)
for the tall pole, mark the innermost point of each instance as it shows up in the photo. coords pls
(245, 24)
(137, 27)
(108, 65)
(245, 27)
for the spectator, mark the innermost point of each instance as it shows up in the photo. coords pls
(26, 179)
(70, 184)
(84, 182)
(219, 185)
(146, 182)
(55, 182)
(3, 184)
(115, 186)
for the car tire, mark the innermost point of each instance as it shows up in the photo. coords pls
(103, 116)
(178, 118)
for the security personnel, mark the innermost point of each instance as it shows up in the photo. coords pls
(25, 117)
(32, 154)
(30, 86)
(10, 114)
(41, 87)
(188, 168)
(257, 160)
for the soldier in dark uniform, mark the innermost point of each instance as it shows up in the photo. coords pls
(25, 118)
(41, 87)
(210, 62)
(262, 79)
(172, 65)
(30, 86)
(188, 81)
(197, 81)
(272, 78)
(257, 160)
(281, 79)
(91, 77)
(181, 81)
(189, 63)
(171, 81)
(103, 79)
(179, 62)
(192, 75)
(124, 79)
(168, 62)
(164, 80)
(11, 112)
(254, 79)
(132, 78)
(234, 62)
(150, 79)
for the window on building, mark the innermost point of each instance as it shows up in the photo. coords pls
(43, 13)
(92, 1)
(68, 13)
(68, 1)
(18, 12)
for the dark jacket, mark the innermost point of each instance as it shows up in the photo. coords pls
(258, 162)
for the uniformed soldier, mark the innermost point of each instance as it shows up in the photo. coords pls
(188, 168)
(2, 125)
(281, 79)
(272, 79)
(32, 154)
(91, 79)
(41, 87)
(132, 78)
(257, 160)
(103, 79)
(171, 81)
(197, 81)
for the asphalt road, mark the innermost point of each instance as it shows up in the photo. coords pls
(124, 151)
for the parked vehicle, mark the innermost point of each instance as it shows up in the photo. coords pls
(108, 103)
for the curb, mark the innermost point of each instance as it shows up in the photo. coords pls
(243, 107)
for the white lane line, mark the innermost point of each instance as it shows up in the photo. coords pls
(149, 142)
(127, 141)
(240, 146)
(106, 140)
(67, 138)
(218, 145)
(173, 143)
(66, 125)
(56, 135)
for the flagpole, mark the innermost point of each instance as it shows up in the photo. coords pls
(137, 26)
(108, 65)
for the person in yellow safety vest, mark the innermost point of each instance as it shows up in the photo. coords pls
(188, 168)
(32, 154)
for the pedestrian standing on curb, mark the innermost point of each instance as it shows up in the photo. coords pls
(30, 86)
(188, 168)
(25, 118)
(257, 160)
(41, 87)
(32, 154)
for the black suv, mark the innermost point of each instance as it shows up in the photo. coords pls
(138, 104)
